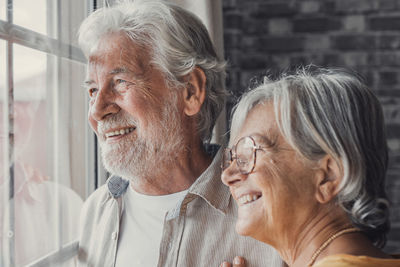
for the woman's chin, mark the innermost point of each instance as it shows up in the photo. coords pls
(253, 228)
(243, 228)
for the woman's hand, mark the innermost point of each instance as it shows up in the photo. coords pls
(237, 262)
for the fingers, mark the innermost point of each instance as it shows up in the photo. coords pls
(237, 262)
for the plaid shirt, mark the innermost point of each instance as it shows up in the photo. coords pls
(198, 232)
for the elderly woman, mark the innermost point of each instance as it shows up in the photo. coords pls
(307, 169)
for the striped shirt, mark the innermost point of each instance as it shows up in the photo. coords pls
(199, 231)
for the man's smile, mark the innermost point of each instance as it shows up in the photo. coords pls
(119, 132)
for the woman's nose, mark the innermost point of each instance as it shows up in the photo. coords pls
(232, 174)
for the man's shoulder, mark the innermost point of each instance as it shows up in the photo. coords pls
(100, 195)
(100, 192)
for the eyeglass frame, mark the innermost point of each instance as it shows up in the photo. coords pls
(233, 155)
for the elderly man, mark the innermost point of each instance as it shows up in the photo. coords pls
(156, 88)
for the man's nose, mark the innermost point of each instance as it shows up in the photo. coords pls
(103, 105)
(232, 174)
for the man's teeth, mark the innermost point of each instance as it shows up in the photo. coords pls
(248, 198)
(120, 132)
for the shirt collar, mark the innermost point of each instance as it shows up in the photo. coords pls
(117, 186)
(210, 187)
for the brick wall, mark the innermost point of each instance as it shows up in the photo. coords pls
(363, 35)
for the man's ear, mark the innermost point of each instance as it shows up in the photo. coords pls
(194, 92)
(329, 177)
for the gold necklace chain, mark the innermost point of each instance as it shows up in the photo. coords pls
(328, 241)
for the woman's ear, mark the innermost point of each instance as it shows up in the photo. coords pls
(195, 92)
(329, 177)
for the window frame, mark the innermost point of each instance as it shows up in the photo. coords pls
(95, 174)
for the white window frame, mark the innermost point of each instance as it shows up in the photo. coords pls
(95, 174)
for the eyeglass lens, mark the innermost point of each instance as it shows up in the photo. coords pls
(243, 152)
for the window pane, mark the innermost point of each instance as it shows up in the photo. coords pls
(3, 95)
(73, 12)
(3, 10)
(72, 77)
(43, 138)
(50, 132)
(31, 14)
(31, 173)
(3, 149)
(29, 74)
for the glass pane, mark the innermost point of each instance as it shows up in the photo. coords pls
(72, 76)
(3, 10)
(30, 138)
(43, 160)
(3, 152)
(31, 14)
(3, 116)
(73, 12)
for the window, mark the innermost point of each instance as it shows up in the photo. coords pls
(47, 151)
(48, 155)
(3, 10)
(31, 15)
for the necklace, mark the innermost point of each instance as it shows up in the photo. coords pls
(328, 241)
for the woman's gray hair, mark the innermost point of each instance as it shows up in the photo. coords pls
(331, 112)
(177, 41)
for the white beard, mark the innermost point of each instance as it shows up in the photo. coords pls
(144, 152)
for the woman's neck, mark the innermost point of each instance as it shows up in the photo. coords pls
(312, 234)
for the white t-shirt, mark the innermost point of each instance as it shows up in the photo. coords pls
(142, 226)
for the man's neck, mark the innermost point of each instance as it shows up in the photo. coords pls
(176, 177)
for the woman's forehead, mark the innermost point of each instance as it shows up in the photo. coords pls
(259, 120)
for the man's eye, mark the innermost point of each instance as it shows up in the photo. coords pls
(121, 85)
(119, 81)
(92, 92)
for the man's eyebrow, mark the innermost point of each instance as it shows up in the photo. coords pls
(118, 70)
(87, 83)
(114, 71)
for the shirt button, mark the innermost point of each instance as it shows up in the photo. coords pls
(114, 235)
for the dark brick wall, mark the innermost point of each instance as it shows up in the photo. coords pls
(363, 35)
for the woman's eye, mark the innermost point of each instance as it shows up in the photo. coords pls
(93, 92)
(242, 161)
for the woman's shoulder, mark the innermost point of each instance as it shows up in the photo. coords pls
(345, 260)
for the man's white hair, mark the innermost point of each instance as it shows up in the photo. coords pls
(177, 42)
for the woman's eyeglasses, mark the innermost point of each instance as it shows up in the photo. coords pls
(244, 152)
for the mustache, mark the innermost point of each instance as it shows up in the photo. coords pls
(116, 121)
